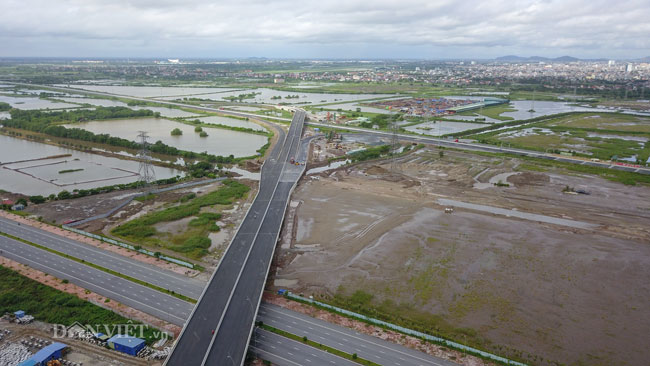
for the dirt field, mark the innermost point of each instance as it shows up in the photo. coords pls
(554, 292)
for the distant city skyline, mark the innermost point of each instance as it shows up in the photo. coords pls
(409, 29)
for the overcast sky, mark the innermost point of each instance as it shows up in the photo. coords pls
(433, 29)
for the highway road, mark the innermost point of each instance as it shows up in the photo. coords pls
(283, 351)
(150, 301)
(280, 350)
(485, 148)
(220, 326)
(344, 339)
(130, 267)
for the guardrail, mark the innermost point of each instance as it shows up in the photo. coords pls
(408, 331)
(129, 246)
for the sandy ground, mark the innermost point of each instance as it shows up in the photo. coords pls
(84, 352)
(388, 335)
(109, 247)
(570, 295)
(87, 295)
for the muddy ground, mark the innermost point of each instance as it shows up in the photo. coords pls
(576, 296)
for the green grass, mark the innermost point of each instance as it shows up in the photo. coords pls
(564, 135)
(70, 171)
(141, 230)
(406, 315)
(146, 197)
(491, 112)
(605, 122)
(46, 304)
(98, 267)
(320, 346)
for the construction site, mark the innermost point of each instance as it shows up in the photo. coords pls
(34, 343)
(434, 107)
(519, 259)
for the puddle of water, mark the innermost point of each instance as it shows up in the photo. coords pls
(333, 165)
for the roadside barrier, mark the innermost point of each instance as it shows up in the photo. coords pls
(408, 331)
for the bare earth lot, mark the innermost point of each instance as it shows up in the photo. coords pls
(554, 292)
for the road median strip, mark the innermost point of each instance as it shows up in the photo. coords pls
(100, 268)
(322, 347)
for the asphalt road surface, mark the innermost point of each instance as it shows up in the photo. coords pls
(150, 301)
(283, 351)
(218, 330)
(344, 339)
(130, 267)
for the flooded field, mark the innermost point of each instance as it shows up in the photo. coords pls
(26, 167)
(442, 127)
(265, 95)
(34, 103)
(147, 91)
(231, 122)
(543, 108)
(219, 142)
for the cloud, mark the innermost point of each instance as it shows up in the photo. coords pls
(197, 27)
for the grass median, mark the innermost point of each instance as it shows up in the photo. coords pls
(98, 267)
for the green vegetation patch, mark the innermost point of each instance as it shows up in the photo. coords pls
(492, 112)
(142, 230)
(146, 197)
(601, 136)
(370, 153)
(70, 171)
(18, 292)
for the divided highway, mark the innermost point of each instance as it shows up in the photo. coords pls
(344, 339)
(220, 326)
(148, 300)
(130, 267)
(275, 348)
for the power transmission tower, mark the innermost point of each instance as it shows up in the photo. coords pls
(146, 174)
